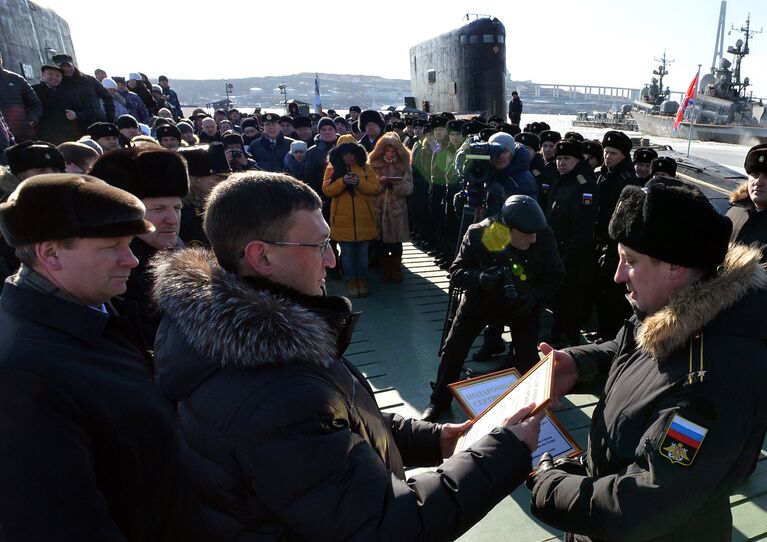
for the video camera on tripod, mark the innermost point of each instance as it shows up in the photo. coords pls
(474, 166)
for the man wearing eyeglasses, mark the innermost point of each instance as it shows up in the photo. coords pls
(281, 434)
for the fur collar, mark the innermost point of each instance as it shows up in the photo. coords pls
(697, 306)
(246, 322)
(740, 196)
(376, 157)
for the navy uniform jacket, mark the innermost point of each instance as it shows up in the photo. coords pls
(270, 156)
(680, 421)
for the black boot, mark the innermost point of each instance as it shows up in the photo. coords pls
(490, 348)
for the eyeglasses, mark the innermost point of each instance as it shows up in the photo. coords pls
(322, 246)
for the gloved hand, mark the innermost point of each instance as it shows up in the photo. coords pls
(490, 280)
(546, 463)
(571, 465)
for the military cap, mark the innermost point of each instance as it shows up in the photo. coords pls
(455, 126)
(447, 114)
(438, 121)
(511, 129)
(673, 222)
(230, 137)
(184, 127)
(543, 126)
(471, 128)
(126, 121)
(206, 160)
(72, 205)
(528, 139)
(486, 133)
(549, 136)
(50, 67)
(97, 130)
(756, 160)
(370, 115)
(573, 135)
(34, 155)
(570, 147)
(617, 140)
(644, 155)
(249, 122)
(271, 117)
(398, 125)
(495, 118)
(288, 119)
(145, 172)
(664, 164)
(355, 108)
(592, 147)
(168, 130)
(419, 122)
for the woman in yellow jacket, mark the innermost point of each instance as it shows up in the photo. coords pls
(351, 183)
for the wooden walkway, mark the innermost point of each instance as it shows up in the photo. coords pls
(395, 346)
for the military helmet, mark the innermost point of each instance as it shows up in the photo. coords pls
(524, 214)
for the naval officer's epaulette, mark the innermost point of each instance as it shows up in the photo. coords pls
(536, 173)
(581, 178)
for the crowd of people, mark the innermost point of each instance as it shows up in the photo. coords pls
(173, 368)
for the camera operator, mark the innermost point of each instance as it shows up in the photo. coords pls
(234, 148)
(511, 169)
(509, 267)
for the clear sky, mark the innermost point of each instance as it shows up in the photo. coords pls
(608, 42)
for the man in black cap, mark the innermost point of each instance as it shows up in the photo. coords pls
(287, 126)
(544, 180)
(63, 118)
(372, 124)
(749, 201)
(354, 125)
(88, 446)
(249, 131)
(207, 166)
(549, 140)
(663, 166)
(682, 411)
(159, 178)
(572, 212)
(128, 127)
(643, 158)
(234, 148)
(593, 153)
(105, 134)
(342, 125)
(172, 98)
(169, 137)
(515, 108)
(270, 149)
(98, 104)
(509, 268)
(303, 130)
(616, 173)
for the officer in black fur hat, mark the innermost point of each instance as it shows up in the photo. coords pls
(373, 125)
(33, 158)
(159, 178)
(749, 201)
(549, 140)
(105, 134)
(169, 137)
(616, 173)
(664, 166)
(85, 436)
(509, 268)
(643, 158)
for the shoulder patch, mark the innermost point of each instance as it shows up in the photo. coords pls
(581, 178)
(681, 441)
(537, 172)
(587, 198)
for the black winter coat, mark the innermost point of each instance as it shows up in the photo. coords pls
(270, 156)
(748, 225)
(283, 438)
(540, 265)
(316, 160)
(572, 214)
(611, 183)
(19, 105)
(701, 359)
(54, 126)
(87, 443)
(98, 104)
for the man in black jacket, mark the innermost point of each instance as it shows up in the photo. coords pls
(749, 201)
(682, 410)
(281, 433)
(515, 108)
(98, 104)
(509, 268)
(18, 104)
(270, 149)
(87, 443)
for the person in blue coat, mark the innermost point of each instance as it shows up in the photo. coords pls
(270, 149)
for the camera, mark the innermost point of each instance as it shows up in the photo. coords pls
(475, 169)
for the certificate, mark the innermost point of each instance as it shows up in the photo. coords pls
(475, 395)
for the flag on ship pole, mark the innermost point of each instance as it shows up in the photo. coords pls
(688, 99)
(691, 92)
(317, 99)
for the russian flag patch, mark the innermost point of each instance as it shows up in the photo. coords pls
(682, 441)
(587, 198)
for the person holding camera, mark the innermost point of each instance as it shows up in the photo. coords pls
(234, 149)
(351, 182)
(509, 268)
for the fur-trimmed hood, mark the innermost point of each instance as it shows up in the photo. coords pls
(696, 307)
(740, 196)
(346, 144)
(246, 322)
(376, 157)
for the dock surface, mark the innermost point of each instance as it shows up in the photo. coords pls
(395, 346)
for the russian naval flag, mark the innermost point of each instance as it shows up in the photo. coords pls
(689, 99)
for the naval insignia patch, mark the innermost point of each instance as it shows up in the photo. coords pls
(587, 198)
(682, 440)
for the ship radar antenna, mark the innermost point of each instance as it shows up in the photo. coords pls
(468, 16)
(719, 43)
(662, 70)
(739, 50)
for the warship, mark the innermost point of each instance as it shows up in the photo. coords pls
(723, 110)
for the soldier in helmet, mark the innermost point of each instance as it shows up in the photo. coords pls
(509, 268)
